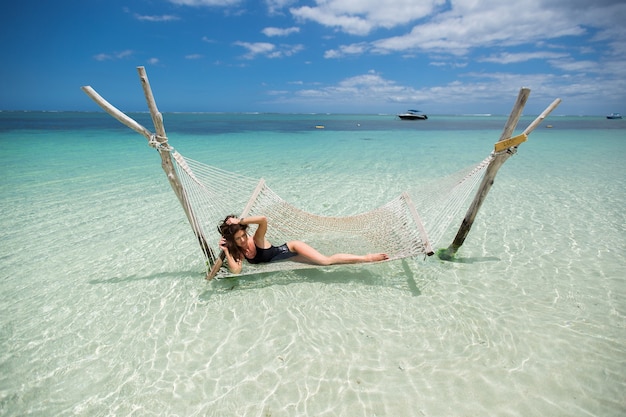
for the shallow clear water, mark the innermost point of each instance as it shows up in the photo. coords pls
(105, 310)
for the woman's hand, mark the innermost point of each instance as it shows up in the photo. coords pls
(232, 220)
(223, 246)
(233, 265)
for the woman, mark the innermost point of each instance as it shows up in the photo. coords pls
(237, 245)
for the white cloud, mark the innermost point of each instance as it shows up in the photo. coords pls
(575, 66)
(268, 50)
(581, 43)
(101, 57)
(274, 6)
(457, 27)
(350, 24)
(277, 92)
(352, 49)
(113, 56)
(271, 31)
(162, 18)
(153, 61)
(373, 92)
(256, 48)
(289, 50)
(466, 27)
(360, 17)
(513, 58)
(448, 64)
(365, 88)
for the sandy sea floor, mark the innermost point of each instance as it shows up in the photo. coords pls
(105, 310)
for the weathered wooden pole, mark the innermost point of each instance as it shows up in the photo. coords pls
(159, 141)
(168, 166)
(498, 160)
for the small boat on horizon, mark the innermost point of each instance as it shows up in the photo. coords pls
(412, 115)
(614, 116)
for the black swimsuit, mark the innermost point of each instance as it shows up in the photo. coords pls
(271, 254)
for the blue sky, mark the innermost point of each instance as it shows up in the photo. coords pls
(337, 56)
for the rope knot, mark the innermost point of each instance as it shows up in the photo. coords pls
(159, 143)
(153, 142)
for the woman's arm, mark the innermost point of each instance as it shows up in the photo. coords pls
(259, 235)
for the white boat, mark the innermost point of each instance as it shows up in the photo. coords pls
(614, 116)
(412, 115)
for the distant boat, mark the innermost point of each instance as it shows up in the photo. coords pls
(614, 116)
(412, 115)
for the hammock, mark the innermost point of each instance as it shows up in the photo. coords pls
(408, 226)
(395, 228)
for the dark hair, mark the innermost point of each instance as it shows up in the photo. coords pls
(228, 232)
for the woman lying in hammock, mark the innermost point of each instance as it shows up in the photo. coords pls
(237, 245)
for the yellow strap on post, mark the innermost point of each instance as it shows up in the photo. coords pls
(509, 143)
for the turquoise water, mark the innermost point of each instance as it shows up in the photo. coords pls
(105, 310)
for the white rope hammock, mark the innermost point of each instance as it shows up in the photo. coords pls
(407, 226)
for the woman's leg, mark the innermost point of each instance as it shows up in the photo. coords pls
(309, 254)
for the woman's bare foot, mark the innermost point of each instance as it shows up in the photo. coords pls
(376, 257)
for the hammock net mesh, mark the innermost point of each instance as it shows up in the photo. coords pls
(408, 226)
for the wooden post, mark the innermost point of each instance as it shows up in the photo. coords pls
(498, 160)
(164, 151)
(161, 138)
(168, 166)
(115, 113)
